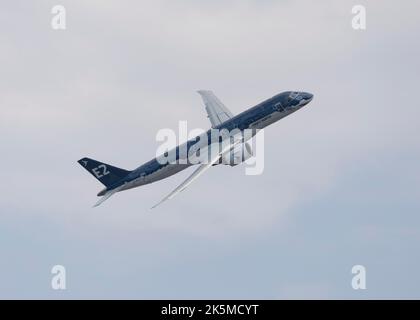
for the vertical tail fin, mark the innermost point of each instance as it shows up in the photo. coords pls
(105, 173)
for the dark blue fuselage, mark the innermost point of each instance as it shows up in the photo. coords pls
(258, 117)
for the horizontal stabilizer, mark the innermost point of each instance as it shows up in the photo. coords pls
(107, 195)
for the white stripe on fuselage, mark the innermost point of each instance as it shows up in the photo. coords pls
(171, 169)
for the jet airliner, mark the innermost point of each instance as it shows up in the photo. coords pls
(258, 117)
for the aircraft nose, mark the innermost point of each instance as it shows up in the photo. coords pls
(307, 96)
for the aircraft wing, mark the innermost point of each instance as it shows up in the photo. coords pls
(216, 110)
(198, 172)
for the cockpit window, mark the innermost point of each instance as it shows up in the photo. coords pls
(294, 99)
(295, 96)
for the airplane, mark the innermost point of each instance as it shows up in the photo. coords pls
(256, 118)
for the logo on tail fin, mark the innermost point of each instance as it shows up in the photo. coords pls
(100, 171)
(108, 175)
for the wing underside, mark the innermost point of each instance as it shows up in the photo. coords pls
(216, 110)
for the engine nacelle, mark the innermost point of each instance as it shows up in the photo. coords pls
(239, 154)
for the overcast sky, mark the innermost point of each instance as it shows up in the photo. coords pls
(341, 180)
